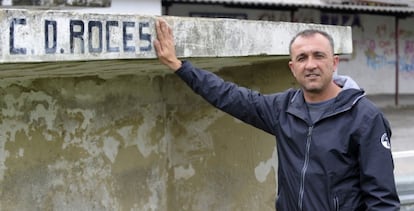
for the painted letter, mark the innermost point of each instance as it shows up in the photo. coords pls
(14, 50)
(97, 25)
(77, 34)
(144, 37)
(127, 37)
(50, 49)
(110, 48)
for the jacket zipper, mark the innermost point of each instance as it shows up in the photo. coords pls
(336, 203)
(304, 168)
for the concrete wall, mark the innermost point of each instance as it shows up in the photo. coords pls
(133, 142)
(104, 130)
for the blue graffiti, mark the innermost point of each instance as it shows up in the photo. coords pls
(406, 65)
(379, 61)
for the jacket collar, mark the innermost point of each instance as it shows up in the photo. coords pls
(345, 100)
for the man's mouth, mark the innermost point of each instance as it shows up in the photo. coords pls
(312, 75)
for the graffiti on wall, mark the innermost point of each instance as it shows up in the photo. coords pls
(380, 53)
(373, 38)
(378, 50)
(407, 51)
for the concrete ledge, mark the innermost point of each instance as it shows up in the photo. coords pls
(32, 36)
(112, 68)
(38, 35)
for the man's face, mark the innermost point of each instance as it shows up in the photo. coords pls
(313, 62)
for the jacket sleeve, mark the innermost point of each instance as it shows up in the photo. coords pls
(247, 105)
(377, 167)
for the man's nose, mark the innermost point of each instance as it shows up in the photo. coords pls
(310, 63)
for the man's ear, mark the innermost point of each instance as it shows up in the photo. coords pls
(335, 62)
(291, 68)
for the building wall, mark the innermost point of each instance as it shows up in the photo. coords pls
(142, 7)
(406, 49)
(372, 63)
(133, 142)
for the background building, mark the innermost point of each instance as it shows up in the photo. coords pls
(382, 61)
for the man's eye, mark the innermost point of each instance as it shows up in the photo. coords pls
(300, 59)
(319, 56)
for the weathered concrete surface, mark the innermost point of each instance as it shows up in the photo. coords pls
(109, 68)
(51, 36)
(133, 142)
(83, 144)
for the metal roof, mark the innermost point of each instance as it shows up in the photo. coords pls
(363, 6)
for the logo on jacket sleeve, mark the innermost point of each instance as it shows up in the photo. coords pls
(385, 141)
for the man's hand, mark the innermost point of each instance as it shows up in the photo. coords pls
(165, 46)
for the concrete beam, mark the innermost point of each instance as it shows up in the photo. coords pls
(33, 36)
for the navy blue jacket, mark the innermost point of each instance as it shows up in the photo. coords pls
(342, 161)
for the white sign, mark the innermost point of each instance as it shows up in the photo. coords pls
(44, 36)
(50, 3)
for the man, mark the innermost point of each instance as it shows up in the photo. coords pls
(333, 143)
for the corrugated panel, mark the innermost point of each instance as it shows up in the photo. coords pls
(272, 2)
(402, 3)
(323, 4)
(366, 8)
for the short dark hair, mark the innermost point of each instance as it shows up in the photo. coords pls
(311, 32)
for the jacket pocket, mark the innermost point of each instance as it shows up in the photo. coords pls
(346, 201)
